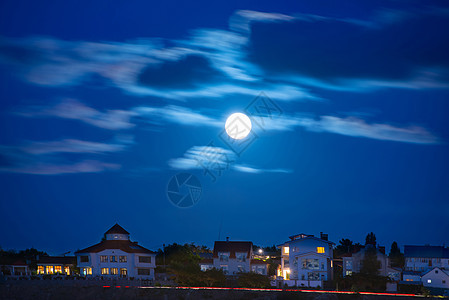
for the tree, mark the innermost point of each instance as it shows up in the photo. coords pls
(396, 257)
(346, 246)
(370, 264)
(371, 239)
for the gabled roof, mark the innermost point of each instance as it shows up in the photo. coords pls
(444, 271)
(124, 245)
(426, 251)
(306, 237)
(232, 247)
(59, 260)
(116, 229)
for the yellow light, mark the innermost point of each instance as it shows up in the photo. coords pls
(319, 249)
(286, 250)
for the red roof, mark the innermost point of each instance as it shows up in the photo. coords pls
(124, 245)
(116, 229)
(232, 248)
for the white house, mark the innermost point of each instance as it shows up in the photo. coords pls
(117, 256)
(352, 263)
(436, 278)
(425, 258)
(234, 257)
(306, 260)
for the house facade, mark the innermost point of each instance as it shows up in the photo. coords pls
(352, 263)
(306, 260)
(117, 256)
(49, 265)
(425, 258)
(436, 278)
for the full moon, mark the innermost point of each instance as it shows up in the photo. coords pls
(238, 126)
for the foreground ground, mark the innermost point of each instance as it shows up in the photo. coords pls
(45, 292)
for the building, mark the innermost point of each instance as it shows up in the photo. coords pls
(425, 258)
(306, 260)
(352, 263)
(49, 265)
(117, 256)
(234, 257)
(14, 267)
(436, 278)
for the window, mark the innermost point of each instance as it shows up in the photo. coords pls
(84, 258)
(348, 273)
(313, 276)
(436, 271)
(49, 269)
(429, 280)
(58, 269)
(241, 257)
(103, 258)
(286, 263)
(67, 270)
(322, 266)
(286, 250)
(145, 259)
(224, 268)
(40, 270)
(104, 271)
(122, 258)
(123, 272)
(143, 271)
(444, 281)
(310, 264)
(113, 258)
(224, 256)
(87, 271)
(114, 271)
(240, 268)
(206, 267)
(320, 250)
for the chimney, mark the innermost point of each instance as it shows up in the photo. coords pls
(324, 236)
(227, 239)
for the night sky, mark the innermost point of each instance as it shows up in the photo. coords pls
(102, 102)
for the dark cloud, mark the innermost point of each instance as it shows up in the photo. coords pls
(330, 49)
(187, 72)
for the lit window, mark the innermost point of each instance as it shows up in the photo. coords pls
(429, 280)
(113, 258)
(319, 249)
(87, 271)
(348, 273)
(286, 250)
(58, 269)
(49, 269)
(123, 272)
(40, 270)
(104, 271)
(122, 258)
(103, 258)
(114, 271)
(67, 270)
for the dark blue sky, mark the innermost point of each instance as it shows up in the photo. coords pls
(102, 103)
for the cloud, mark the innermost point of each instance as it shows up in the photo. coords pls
(71, 146)
(253, 170)
(356, 127)
(76, 110)
(86, 166)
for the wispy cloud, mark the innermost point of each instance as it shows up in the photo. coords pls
(86, 166)
(76, 110)
(253, 170)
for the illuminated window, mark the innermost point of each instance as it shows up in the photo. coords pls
(114, 271)
(122, 258)
(123, 272)
(49, 269)
(87, 271)
(145, 259)
(67, 270)
(286, 250)
(40, 270)
(113, 258)
(429, 280)
(103, 258)
(348, 273)
(58, 269)
(104, 271)
(319, 249)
